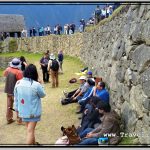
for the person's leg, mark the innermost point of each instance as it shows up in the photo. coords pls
(70, 94)
(89, 141)
(47, 76)
(56, 78)
(85, 132)
(53, 78)
(43, 72)
(30, 132)
(9, 113)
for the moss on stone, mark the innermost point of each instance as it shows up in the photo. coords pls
(13, 46)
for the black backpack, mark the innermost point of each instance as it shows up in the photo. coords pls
(55, 65)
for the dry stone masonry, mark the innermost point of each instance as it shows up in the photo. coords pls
(119, 52)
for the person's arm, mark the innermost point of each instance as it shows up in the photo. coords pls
(25, 63)
(49, 64)
(76, 93)
(41, 62)
(5, 73)
(41, 92)
(15, 99)
(19, 75)
(105, 128)
(94, 91)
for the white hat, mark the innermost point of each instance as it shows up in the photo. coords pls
(52, 56)
(15, 63)
(82, 78)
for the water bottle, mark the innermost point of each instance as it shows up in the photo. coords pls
(103, 141)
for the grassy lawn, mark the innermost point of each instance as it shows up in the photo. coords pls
(54, 115)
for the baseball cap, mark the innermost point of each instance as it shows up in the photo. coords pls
(89, 73)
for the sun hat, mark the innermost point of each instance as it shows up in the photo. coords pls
(15, 63)
(89, 73)
(82, 78)
(52, 56)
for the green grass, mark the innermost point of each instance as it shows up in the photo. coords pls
(54, 115)
(1, 72)
(27, 55)
(127, 141)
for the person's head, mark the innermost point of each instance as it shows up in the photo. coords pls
(103, 107)
(82, 79)
(89, 74)
(100, 85)
(97, 6)
(46, 55)
(15, 63)
(31, 72)
(22, 58)
(94, 101)
(60, 51)
(52, 56)
(91, 82)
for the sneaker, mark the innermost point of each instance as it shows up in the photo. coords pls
(65, 93)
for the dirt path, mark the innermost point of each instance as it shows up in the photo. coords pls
(54, 115)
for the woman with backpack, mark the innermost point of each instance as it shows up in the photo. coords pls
(53, 67)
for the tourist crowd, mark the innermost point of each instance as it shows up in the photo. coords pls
(92, 97)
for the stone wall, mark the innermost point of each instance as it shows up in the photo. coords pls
(70, 44)
(119, 51)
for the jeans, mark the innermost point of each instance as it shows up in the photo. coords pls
(45, 74)
(88, 141)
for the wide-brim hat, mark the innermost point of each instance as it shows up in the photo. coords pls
(15, 63)
(52, 56)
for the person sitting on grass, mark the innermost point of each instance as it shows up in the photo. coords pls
(76, 95)
(101, 92)
(110, 124)
(87, 95)
(90, 117)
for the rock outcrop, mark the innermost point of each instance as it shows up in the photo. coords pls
(119, 51)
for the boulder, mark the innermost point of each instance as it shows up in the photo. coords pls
(145, 81)
(129, 116)
(141, 57)
(136, 99)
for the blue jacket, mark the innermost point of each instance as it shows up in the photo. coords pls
(103, 95)
(27, 98)
(87, 94)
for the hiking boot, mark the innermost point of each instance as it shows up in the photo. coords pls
(10, 121)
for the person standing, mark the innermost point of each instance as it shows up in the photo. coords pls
(28, 104)
(34, 31)
(44, 64)
(23, 63)
(53, 67)
(30, 31)
(97, 14)
(12, 74)
(60, 59)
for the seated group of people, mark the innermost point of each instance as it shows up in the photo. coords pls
(97, 119)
